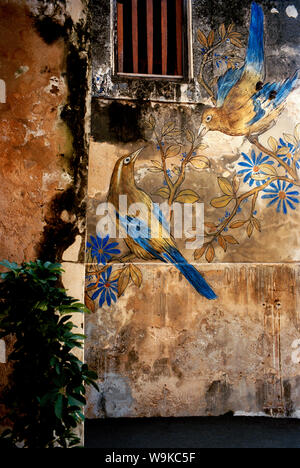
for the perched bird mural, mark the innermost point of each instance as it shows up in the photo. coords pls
(141, 239)
(245, 105)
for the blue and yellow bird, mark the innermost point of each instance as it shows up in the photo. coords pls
(145, 239)
(245, 105)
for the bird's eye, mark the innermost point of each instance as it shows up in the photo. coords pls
(208, 118)
(127, 160)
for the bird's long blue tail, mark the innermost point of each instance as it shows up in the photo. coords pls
(255, 51)
(190, 272)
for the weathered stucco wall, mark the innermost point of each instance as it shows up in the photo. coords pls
(43, 136)
(162, 349)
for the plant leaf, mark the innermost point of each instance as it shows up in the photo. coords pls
(236, 42)
(290, 139)
(202, 38)
(211, 38)
(199, 252)
(222, 31)
(297, 132)
(222, 243)
(230, 240)
(221, 202)
(200, 162)
(273, 143)
(123, 280)
(154, 169)
(237, 224)
(167, 128)
(230, 28)
(58, 407)
(173, 150)
(190, 136)
(136, 275)
(187, 196)
(115, 274)
(225, 186)
(256, 224)
(210, 254)
(250, 229)
(163, 192)
(267, 169)
(156, 163)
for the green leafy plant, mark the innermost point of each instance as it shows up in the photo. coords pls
(46, 392)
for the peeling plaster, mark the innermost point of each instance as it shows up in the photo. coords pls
(291, 11)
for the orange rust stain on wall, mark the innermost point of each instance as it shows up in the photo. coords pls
(31, 135)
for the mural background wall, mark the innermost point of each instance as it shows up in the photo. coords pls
(161, 349)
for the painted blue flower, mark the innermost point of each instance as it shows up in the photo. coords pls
(287, 153)
(184, 155)
(251, 167)
(106, 289)
(158, 146)
(281, 193)
(102, 249)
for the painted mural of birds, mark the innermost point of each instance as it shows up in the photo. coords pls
(245, 104)
(145, 239)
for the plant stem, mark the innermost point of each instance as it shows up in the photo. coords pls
(253, 192)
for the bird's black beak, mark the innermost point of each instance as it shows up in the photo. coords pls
(136, 154)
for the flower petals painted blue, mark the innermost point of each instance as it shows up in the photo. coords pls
(250, 167)
(280, 192)
(102, 249)
(106, 289)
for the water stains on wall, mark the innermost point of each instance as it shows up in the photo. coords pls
(151, 335)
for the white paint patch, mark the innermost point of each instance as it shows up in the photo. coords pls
(291, 11)
(274, 10)
(71, 254)
(21, 70)
(2, 92)
(2, 352)
(56, 85)
(141, 173)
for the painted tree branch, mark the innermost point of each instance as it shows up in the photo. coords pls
(290, 170)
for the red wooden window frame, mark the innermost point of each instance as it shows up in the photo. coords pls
(129, 44)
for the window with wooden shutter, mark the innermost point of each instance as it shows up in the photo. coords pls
(151, 38)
